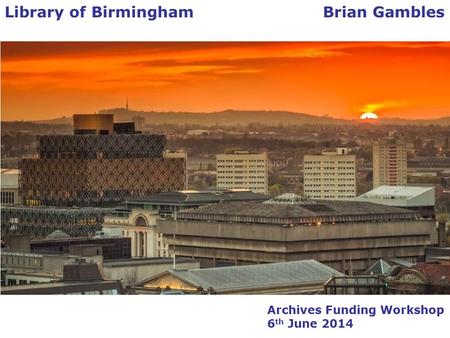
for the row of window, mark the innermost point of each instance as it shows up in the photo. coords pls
(21, 261)
(7, 197)
(329, 162)
(96, 292)
(240, 161)
(241, 171)
(328, 185)
(328, 174)
(326, 197)
(240, 166)
(236, 185)
(334, 179)
(329, 168)
(239, 177)
(324, 191)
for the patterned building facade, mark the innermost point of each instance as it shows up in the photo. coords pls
(98, 170)
(39, 222)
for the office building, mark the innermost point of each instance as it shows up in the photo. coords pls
(330, 176)
(389, 162)
(242, 170)
(346, 235)
(102, 164)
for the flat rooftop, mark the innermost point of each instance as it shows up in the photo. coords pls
(146, 261)
(398, 191)
(297, 212)
(194, 197)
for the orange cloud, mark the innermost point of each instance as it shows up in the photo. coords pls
(340, 79)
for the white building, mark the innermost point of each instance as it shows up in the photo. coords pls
(389, 162)
(140, 226)
(242, 170)
(330, 176)
(400, 196)
(9, 186)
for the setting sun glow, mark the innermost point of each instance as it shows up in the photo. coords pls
(368, 116)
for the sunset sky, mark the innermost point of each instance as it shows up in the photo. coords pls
(342, 80)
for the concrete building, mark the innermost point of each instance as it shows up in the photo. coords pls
(330, 176)
(243, 170)
(419, 198)
(28, 268)
(109, 248)
(136, 218)
(9, 187)
(389, 162)
(167, 204)
(299, 277)
(97, 167)
(345, 235)
(80, 277)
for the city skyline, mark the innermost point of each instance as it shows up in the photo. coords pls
(338, 79)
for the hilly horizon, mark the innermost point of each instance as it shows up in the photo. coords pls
(235, 117)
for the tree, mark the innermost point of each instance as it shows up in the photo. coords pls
(275, 189)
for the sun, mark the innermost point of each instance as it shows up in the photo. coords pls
(369, 116)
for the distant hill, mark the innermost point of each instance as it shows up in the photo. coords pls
(227, 117)
(234, 117)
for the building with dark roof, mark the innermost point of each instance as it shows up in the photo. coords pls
(347, 235)
(108, 247)
(299, 277)
(136, 218)
(167, 203)
(429, 162)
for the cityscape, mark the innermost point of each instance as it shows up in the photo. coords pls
(337, 191)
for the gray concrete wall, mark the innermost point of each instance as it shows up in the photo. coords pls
(335, 244)
(295, 233)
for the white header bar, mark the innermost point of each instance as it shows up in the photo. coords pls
(225, 20)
